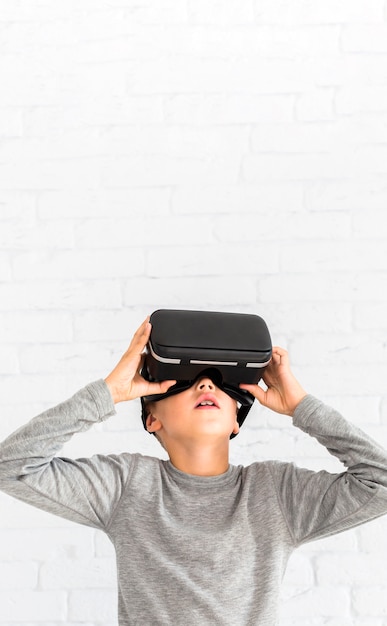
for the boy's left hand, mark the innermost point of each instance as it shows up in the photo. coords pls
(284, 392)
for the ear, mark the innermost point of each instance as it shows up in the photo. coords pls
(152, 424)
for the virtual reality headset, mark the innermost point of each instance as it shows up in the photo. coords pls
(228, 348)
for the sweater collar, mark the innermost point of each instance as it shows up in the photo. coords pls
(201, 481)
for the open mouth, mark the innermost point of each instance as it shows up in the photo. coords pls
(207, 402)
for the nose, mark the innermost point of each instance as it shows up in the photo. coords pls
(205, 384)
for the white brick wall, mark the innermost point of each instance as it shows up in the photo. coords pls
(195, 153)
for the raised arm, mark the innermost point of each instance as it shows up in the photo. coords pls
(317, 504)
(83, 490)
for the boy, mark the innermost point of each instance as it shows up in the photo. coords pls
(198, 542)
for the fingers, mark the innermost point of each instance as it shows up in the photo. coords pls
(141, 336)
(162, 387)
(255, 391)
(280, 356)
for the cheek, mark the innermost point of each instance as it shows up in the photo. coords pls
(175, 405)
(232, 405)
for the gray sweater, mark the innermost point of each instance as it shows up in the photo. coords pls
(196, 551)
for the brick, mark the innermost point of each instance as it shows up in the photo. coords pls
(330, 380)
(230, 108)
(378, 432)
(211, 293)
(60, 358)
(199, 75)
(165, 170)
(284, 225)
(217, 261)
(373, 537)
(17, 205)
(35, 388)
(182, 142)
(34, 175)
(325, 256)
(215, 12)
(301, 12)
(352, 99)
(329, 601)
(18, 575)
(5, 267)
(371, 601)
(383, 410)
(60, 295)
(370, 316)
(155, 13)
(135, 233)
(76, 142)
(205, 40)
(91, 605)
(349, 71)
(129, 110)
(103, 545)
(362, 570)
(316, 105)
(330, 286)
(46, 544)
(290, 317)
(114, 325)
(35, 327)
(343, 542)
(237, 199)
(295, 138)
(10, 122)
(103, 203)
(9, 361)
(365, 38)
(312, 167)
(40, 605)
(67, 265)
(299, 571)
(370, 226)
(368, 621)
(43, 120)
(371, 160)
(80, 574)
(369, 194)
(365, 130)
(15, 235)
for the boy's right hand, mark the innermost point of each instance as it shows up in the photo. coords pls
(125, 381)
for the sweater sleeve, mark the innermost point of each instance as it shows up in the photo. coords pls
(319, 504)
(84, 490)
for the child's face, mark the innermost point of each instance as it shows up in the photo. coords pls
(201, 411)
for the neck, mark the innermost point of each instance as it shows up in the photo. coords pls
(199, 460)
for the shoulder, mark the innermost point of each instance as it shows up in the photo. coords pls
(144, 470)
(269, 472)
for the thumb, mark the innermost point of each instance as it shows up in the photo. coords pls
(162, 387)
(255, 391)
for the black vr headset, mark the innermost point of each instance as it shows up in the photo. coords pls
(228, 348)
